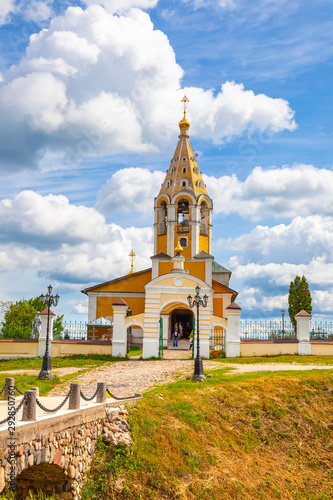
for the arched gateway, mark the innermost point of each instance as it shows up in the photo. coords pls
(182, 260)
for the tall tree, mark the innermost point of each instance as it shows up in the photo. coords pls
(19, 316)
(299, 298)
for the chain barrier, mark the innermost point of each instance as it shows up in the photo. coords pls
(4, 387)
(16, 410)
(42, 407)
(92, 397)
(18, 390)
(121, 399)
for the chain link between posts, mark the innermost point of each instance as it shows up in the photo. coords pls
(121, 399)
(16, 410)
(48, 410)
(92, 397)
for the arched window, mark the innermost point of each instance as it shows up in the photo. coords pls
(196, 170)
(183, 216)
(168, 183)
(204, 218)
(184, 158)
(184, 170)
(200, 184)
(183, 183)
(162, 218)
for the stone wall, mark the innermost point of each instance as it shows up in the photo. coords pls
(57, 461)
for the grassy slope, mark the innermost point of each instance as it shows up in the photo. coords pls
(254, 436)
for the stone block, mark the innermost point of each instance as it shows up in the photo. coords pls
(57, 458)
(2, 478)
(71, 472)
(30, 460)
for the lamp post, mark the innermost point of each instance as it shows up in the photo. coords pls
(49, 300)
(198, 366)
(282, 312)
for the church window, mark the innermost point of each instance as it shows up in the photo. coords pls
(183, 216)
(204, 218)
(184, 170)
(200, 184)
(183, 242)
(183, 183)
(168, 183)
(175, 158)
(184, 158)
(162, 218)
(196, 170)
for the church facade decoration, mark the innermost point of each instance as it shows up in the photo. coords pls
(182, 260)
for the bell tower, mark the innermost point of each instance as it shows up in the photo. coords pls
(183, 209)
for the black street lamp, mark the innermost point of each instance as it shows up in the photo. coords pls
(282, 312)
(49, 300)
(198, 366)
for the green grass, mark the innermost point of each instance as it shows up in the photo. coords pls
(249, 436)
(285, 358)
(78, 360)
(135, 351)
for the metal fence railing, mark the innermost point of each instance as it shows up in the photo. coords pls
(75, 330)
(217, 339)
(321, 330)
(266, 330)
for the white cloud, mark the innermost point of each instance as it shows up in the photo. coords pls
(120, 6)
(6, 8)
(38, 10)
(69, 243)
(278, 192)
(130, 190)
(95, 84)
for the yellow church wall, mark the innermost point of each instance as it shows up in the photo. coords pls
(196, 269)
(162, 243)
(218, 306)
(104, 305)
(165, 268)
(131, 283)
(203, 243)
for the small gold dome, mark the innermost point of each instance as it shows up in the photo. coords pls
(184, 123)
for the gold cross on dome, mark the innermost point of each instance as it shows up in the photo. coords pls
(185, 102)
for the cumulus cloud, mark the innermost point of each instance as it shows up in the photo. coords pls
(69, 243)
(120, 6)
(38, 10)
(278, 192)
(130, 190)
(89, 85)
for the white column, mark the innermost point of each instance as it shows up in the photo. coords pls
(92, 306)
(303, 332)
(43, 331)
(119, 339)
(165, 318)
(232, 340)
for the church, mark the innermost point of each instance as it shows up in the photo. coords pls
(149, 302)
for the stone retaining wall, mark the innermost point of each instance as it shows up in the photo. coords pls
(57, 461)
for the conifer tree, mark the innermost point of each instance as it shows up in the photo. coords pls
(299, 298)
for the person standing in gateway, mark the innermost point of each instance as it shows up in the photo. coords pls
(175, 336)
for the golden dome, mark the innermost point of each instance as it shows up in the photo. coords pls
(184, 123)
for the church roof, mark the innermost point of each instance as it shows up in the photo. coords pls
(161, 255)
(183, 175)
(129, 276)
(203, 255)
(217, 268)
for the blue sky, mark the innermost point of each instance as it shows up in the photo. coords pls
(89, 105)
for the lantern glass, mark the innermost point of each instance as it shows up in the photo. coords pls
(42, 298)
(205, 300)
(56, 299)
(49, 289)
(189, 300)
(197, 288)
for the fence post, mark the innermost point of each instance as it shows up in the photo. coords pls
(29, 406)
(119, 341)
(232, 341)
(101, 395)
(10, 382)
(74, 398)
(303, 332)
